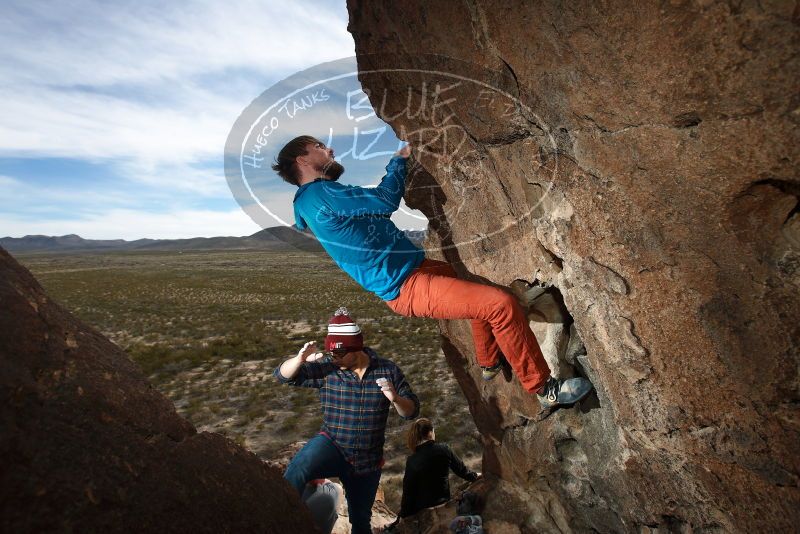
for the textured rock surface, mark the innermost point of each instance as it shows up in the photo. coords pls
(89, 446)
(632, 173)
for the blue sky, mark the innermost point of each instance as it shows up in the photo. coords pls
(115, 116)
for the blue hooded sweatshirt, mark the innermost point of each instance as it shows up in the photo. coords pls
(352, 224)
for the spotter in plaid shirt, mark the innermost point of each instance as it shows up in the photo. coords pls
(354, 411)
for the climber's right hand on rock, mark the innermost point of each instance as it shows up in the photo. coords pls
(404, 152)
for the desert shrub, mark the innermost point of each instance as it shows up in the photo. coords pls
(193, 321)
(290, 423)
(392, 492)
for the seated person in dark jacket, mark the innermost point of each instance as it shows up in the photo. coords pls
(425, 483)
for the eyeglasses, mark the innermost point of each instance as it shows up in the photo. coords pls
(338, 354)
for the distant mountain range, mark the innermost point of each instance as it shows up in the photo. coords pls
(275, 238)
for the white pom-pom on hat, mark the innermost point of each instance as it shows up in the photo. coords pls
(343, 332)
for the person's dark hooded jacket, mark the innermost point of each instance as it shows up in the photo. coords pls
(425, 483)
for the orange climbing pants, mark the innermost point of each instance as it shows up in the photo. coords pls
(498, 321)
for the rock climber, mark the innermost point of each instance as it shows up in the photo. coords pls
(356, 391)
(353, 225)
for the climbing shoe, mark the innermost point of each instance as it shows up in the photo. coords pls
(487, 373)
(563, 392)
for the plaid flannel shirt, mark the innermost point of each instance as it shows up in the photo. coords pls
(354, 411)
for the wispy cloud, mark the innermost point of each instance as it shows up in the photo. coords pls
(17, 196)
(145, 42)
(147, 92)
(142, 96)
(135, 224)
(147, 80)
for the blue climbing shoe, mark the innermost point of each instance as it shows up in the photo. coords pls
(563, 392)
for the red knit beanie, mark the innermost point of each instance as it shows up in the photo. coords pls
(343, 332)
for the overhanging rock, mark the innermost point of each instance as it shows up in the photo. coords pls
(639, 163)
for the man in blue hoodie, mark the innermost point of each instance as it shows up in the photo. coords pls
(353, 225)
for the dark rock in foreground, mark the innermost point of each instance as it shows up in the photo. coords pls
(89, 446)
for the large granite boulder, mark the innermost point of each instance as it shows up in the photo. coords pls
(89, 446)
(630, 171)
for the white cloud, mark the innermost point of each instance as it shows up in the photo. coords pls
(177, 179)
(132, 224)
(151, 90)
(41, 122)
(96, 43)
(16, 195)
(148, 81)
(140, 187)
(7, 183)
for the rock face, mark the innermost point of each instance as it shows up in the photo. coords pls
(630, 170)
(89, 446)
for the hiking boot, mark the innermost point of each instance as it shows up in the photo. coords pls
(563, 392)
(487, 373)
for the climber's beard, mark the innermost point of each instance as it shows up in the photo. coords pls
(333, 170)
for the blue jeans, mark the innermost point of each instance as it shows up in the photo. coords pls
(320, 458)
